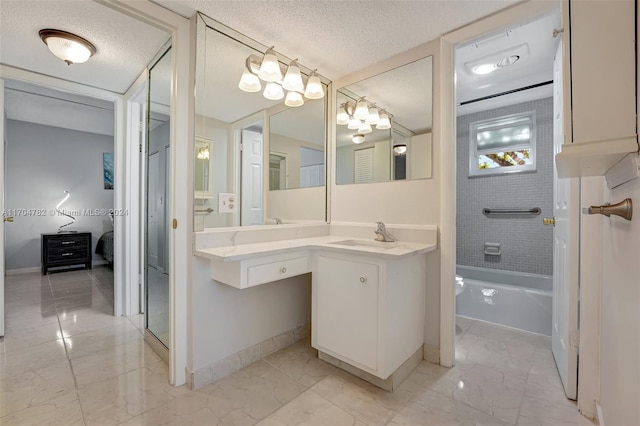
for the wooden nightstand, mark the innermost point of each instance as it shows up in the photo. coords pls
(65, 249)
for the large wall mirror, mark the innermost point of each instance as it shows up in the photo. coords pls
(383, 126)
(249, 146)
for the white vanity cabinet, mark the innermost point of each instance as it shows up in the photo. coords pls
(368, 311)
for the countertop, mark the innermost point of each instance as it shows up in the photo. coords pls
(326, 243)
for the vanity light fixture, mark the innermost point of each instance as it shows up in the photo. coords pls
(69, 47)
(269, 70)
(203, 153)
(362, 116)
(357, 138)
(400, 149)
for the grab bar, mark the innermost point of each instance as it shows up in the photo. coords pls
(206, 211)
(532, 212)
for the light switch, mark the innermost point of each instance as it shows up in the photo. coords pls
(226, 203)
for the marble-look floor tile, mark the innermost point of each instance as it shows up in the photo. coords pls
(101, 366)
(188, 410)
(484, 388)
(431, 408)
(68, 292)
(102, 339)
(138, 321)
(310, 409)
(82, 321)
(61, 411)
(63, 277)
(94, 298)
(511, 336)
(462, 325)
(35, 387)
(29, 316)
(124, 397)
(251, 394)
(300, 362)
(35, 357)
(542, 413)
(360, 399)
(15, 340)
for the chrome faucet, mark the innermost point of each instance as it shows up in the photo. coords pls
(383, 234)
(278, 220)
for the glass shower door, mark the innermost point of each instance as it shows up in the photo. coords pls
(157, 200)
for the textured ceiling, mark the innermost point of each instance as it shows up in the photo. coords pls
(124, 45)
(340, 37)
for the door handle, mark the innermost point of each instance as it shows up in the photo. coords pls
(549, 221)
(8, 219)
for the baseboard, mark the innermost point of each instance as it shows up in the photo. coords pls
(600, 417)
(222, 368)
(431, 354)
(22, 271)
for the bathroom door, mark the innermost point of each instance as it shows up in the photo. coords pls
(252, 171)
(565, 253)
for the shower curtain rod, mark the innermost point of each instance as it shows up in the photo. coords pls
(508, 92)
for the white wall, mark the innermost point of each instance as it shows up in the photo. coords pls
(42, 162)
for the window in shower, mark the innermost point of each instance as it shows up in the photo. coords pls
(502, 145)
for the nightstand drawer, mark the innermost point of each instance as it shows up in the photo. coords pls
(66, 249)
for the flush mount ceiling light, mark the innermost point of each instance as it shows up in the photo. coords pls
(69, 47)
(361, 115)
(357, 138)
(498, 60)
(400, 149)
(269, 70)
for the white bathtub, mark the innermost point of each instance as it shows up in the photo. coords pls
(509, 298)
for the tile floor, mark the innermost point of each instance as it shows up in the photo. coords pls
(66, 361)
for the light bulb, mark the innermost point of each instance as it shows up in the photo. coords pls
(354, 124)
(314, 88)
(273, 91)
(270, 68)
(362, 110)
(365, 128)
(343, 117)
(374, 116)
(249, 82)
(384, 123)
(294, 99)
(357, 138)
(292, 79)
(484, 69)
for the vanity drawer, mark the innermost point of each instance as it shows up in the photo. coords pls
(261, 270)
(273, 271)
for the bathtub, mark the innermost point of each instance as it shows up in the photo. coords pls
(509, 298)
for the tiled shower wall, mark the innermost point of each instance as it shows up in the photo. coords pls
(527, 244)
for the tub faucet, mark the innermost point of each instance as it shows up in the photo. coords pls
(383, 234)
(278, 220)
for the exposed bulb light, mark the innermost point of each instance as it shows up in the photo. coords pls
(314, 88)
(354, 124)
(249, 82)
(69, 47)
(365, 128)
(400, 149)
(362, 109)
(343, 116)
(374, 116)
(294, 99)
(273, 91)
(484, 69)
(385, 121)
(203, 154)
(270, 67)
(357, 138)
(293, 79)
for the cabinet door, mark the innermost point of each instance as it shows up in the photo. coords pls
(347, 310)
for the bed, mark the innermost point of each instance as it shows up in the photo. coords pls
(105, 246)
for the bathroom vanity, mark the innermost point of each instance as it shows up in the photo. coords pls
(368, 297)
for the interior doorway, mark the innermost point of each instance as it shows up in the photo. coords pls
(508, 111)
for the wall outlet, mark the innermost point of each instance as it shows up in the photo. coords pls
(227, 203)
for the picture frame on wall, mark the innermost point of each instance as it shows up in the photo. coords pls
(107, 163)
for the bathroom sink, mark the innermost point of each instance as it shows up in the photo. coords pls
(367, 243)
